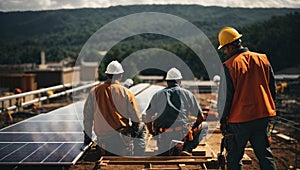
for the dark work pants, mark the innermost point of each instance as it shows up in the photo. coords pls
(256, 132)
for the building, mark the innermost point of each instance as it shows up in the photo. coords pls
(10, 81)
(88, 71)
(55, 76)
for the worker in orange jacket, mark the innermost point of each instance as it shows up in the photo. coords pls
(113, 111)
(248, 93)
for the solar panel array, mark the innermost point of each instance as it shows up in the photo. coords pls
(54, 138)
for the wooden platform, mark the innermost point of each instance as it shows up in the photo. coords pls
(204, 150)
(203, 158)
(156, 162)
(208, 152)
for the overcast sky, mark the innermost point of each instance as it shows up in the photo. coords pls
(26, 5)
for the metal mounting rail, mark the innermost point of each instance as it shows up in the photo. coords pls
(41, 98)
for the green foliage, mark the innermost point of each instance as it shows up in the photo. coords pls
(62, 33)
(278, 37)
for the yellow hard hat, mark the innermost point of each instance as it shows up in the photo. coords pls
(228, 35)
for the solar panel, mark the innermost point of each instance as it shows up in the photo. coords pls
(58, 126)
(144, 97)
(139, 87)
(42, 153)
(17, 137)
(54, 138)
(55, 117)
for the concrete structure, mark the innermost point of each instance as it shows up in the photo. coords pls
(89, 71)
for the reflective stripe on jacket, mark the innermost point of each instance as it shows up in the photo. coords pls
(250, 74)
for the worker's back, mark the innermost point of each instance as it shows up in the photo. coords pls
(250, 75)
(113, 108)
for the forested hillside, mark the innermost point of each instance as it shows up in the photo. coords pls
(62, 33)
(278, 37)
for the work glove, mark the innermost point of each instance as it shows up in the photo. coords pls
(87, 139)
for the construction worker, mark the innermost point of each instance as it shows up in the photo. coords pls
(248, 92)
(216, 80)
(112, 109)
(19, 100)
(167, 115)
(128, 83)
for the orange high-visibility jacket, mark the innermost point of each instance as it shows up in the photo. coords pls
(108, 107)
(252, 98)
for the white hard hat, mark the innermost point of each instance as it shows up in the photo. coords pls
(114, 67)
(128, 82)
(216, 78)
(173, 74)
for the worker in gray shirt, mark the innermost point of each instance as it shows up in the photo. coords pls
(167, 116)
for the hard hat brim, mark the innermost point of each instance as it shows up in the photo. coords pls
(174, 78)
(107, 72)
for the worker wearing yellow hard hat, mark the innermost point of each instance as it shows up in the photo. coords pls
(248, 91)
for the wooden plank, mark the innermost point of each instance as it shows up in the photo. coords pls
(182, 167)
(285, 137)
(200, 150)
(155, 162)
(153, 159)
(246, 159)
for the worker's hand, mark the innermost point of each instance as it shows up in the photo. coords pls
(87, 139)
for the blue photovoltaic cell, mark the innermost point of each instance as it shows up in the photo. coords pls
(68, 157)
(42, 152)
(2, 145)
(9, 148)
(62, 151)
(19, 154)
